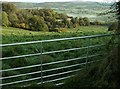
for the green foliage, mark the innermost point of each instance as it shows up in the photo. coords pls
(89, 78)
(5, 20)
(62, 30)
(7, 66)
(35, 86)
(81, 22)
(113, 26)
(13, 19)
(99, 23)
(8, 7)
(36, 23)
(83, 79)
(58, 30)
(54, 29)
(87, 22)
(43, 86)
(40, 19)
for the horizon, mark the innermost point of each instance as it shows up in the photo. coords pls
(43, 1)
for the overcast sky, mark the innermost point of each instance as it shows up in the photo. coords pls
(55, 0)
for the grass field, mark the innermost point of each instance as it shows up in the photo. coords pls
(13, 35)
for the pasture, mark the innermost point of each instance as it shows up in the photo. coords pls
(14, 35)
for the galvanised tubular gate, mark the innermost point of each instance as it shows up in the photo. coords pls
(49, 63)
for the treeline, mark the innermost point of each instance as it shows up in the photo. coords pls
(38, 19)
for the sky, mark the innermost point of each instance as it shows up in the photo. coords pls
(39, 1)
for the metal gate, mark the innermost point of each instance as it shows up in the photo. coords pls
(46, 72)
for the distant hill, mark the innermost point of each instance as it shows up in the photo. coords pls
(74, 9)
(60, 4)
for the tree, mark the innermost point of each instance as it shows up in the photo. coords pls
(13, 19)
(113, 26)
(8, 7)
(47, 12)
(81, 22)
(23, 17)
(86, 21)
(105, 74)
(111, 65)
(50, 21)
(5, 20)
(65, 21)
(36, 23)
(75, 22)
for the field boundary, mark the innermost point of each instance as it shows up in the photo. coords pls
(67, 70)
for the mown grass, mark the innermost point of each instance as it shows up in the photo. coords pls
(14, 35)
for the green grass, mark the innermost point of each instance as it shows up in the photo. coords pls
(13, 35)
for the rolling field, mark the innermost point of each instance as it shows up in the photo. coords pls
(14, 35)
